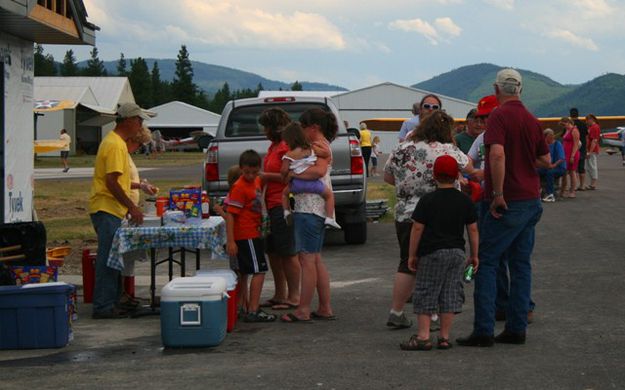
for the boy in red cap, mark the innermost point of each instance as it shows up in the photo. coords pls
(437, 254)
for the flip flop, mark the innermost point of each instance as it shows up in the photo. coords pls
(271, 302)
(284, 306)
(320, 317)
(290, 318)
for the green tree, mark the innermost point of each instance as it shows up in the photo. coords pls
(157, 85)
(141, 82)
(297, 86)
(122, 69)
(222, 96)
(183, 87)
(44, 63)
(95, 66)
(69, 67)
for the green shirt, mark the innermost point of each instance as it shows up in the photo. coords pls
(464, 141)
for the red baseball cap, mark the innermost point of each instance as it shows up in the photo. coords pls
(486, 105)
(446, 166)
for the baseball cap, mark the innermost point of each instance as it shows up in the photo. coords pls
(486, 105)
(128, 110)
(471, 114)
(445, 166)
(509, 76)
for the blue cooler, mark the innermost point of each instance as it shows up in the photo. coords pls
(194, 312)
(231, 289)
(35, 316)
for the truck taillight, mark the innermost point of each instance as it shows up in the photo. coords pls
(211, 167)
(357, 162)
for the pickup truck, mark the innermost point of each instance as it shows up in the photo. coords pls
(239, 130)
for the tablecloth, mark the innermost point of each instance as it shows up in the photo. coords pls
(210, 234)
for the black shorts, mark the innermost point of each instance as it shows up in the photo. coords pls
(403, 230)
(251, 256)
(64, 153)
(281, 239)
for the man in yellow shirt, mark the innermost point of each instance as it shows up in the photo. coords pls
(109, 204)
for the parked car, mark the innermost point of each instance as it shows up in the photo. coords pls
(613, 138)
(239, 130)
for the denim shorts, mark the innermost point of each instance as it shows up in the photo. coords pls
(309, 232)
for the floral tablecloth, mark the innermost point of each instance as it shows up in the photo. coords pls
(210, 234)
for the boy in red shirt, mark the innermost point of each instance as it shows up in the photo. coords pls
(243, 220)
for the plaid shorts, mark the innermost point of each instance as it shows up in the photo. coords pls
(438, 286)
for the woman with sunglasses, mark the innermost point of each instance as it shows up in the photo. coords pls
(428, 104)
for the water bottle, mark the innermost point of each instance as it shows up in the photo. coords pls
(468, 274)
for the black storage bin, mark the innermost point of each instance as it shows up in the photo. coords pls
(31, 236)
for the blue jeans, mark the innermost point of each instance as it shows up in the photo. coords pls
(503, 287)
(550, 175)
(107, 289)
(512, 235)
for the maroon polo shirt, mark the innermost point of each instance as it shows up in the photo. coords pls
(512, 126)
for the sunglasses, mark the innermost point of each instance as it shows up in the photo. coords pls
(428, 106)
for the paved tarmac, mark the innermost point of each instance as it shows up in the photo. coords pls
(576, 342)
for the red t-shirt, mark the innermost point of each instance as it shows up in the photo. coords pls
(594, 132)
(244, 203)
(272, 164)
(519, 132)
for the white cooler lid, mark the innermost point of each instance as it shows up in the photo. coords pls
(229, 275)
(199, 288)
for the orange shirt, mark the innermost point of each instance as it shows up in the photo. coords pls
(245, 204)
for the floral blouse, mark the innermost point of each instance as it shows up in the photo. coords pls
(411, 164)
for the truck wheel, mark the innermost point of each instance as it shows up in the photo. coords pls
(355, 233)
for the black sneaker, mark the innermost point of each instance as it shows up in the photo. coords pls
(259, 316)
(507, 337)
(474, 340)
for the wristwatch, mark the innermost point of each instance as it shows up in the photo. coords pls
(496, 194)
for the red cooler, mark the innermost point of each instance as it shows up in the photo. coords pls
(232, 288)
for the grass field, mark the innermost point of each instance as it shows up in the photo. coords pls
(163, 160)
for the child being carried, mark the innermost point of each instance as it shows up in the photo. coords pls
(298, 159)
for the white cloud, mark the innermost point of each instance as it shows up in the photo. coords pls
(593, 8)
(572, 38)
(445, 28)
(503, 4)
(448, 26)
(416, 25)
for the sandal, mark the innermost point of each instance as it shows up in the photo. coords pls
(259, 316)
(291, 318)
(414, 344)
(271, 302)
(284, 306)
(443, 343)
(591, 188)
(322, 317)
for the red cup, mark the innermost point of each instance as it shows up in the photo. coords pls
(162, 203)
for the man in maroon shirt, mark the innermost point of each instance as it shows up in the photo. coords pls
(515, 147)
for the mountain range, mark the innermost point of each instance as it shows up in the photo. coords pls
(545, 97)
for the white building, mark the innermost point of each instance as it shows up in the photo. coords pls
(84, 106)
(23, 22)
(178, 120)
(385, 100)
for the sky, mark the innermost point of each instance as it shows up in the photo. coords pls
(354, 44)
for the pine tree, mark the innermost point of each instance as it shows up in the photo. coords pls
(141, 82)
(122, 70)
(259, 88)
(44, 64)
(95, 66)
(69, 67)
(222, 96)
(297, 86)
(183, 87)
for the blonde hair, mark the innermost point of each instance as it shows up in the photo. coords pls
(142, 137)
(566, 119)
(376, 139)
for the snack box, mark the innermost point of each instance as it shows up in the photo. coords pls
(35, 316)
(194, 312)
(187, 200)
(29, 274)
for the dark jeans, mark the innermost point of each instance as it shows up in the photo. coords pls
(513, 235)
(550, 175)
(107, 289)
(366, 155)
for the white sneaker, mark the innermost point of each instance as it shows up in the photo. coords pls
(332, 223)
(549, 198)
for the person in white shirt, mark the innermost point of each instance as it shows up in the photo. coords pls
(65, 150)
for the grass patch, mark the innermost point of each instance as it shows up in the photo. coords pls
(169, 159)
(383, 191)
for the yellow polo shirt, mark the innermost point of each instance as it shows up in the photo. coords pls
(112, 157)
(365, 138)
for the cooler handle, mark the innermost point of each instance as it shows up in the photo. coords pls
(190, 314)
